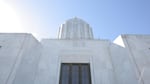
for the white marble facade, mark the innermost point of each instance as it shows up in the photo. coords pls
(24, 60)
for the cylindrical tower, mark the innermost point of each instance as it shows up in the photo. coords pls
(75, 28)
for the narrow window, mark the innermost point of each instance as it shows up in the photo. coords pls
(74, 73)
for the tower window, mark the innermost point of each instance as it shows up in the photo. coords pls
(74, 73)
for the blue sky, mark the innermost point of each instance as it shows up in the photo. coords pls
(108, 18)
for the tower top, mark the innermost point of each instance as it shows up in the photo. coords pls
(75, 28)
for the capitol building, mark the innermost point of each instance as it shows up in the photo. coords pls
(75, 57)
